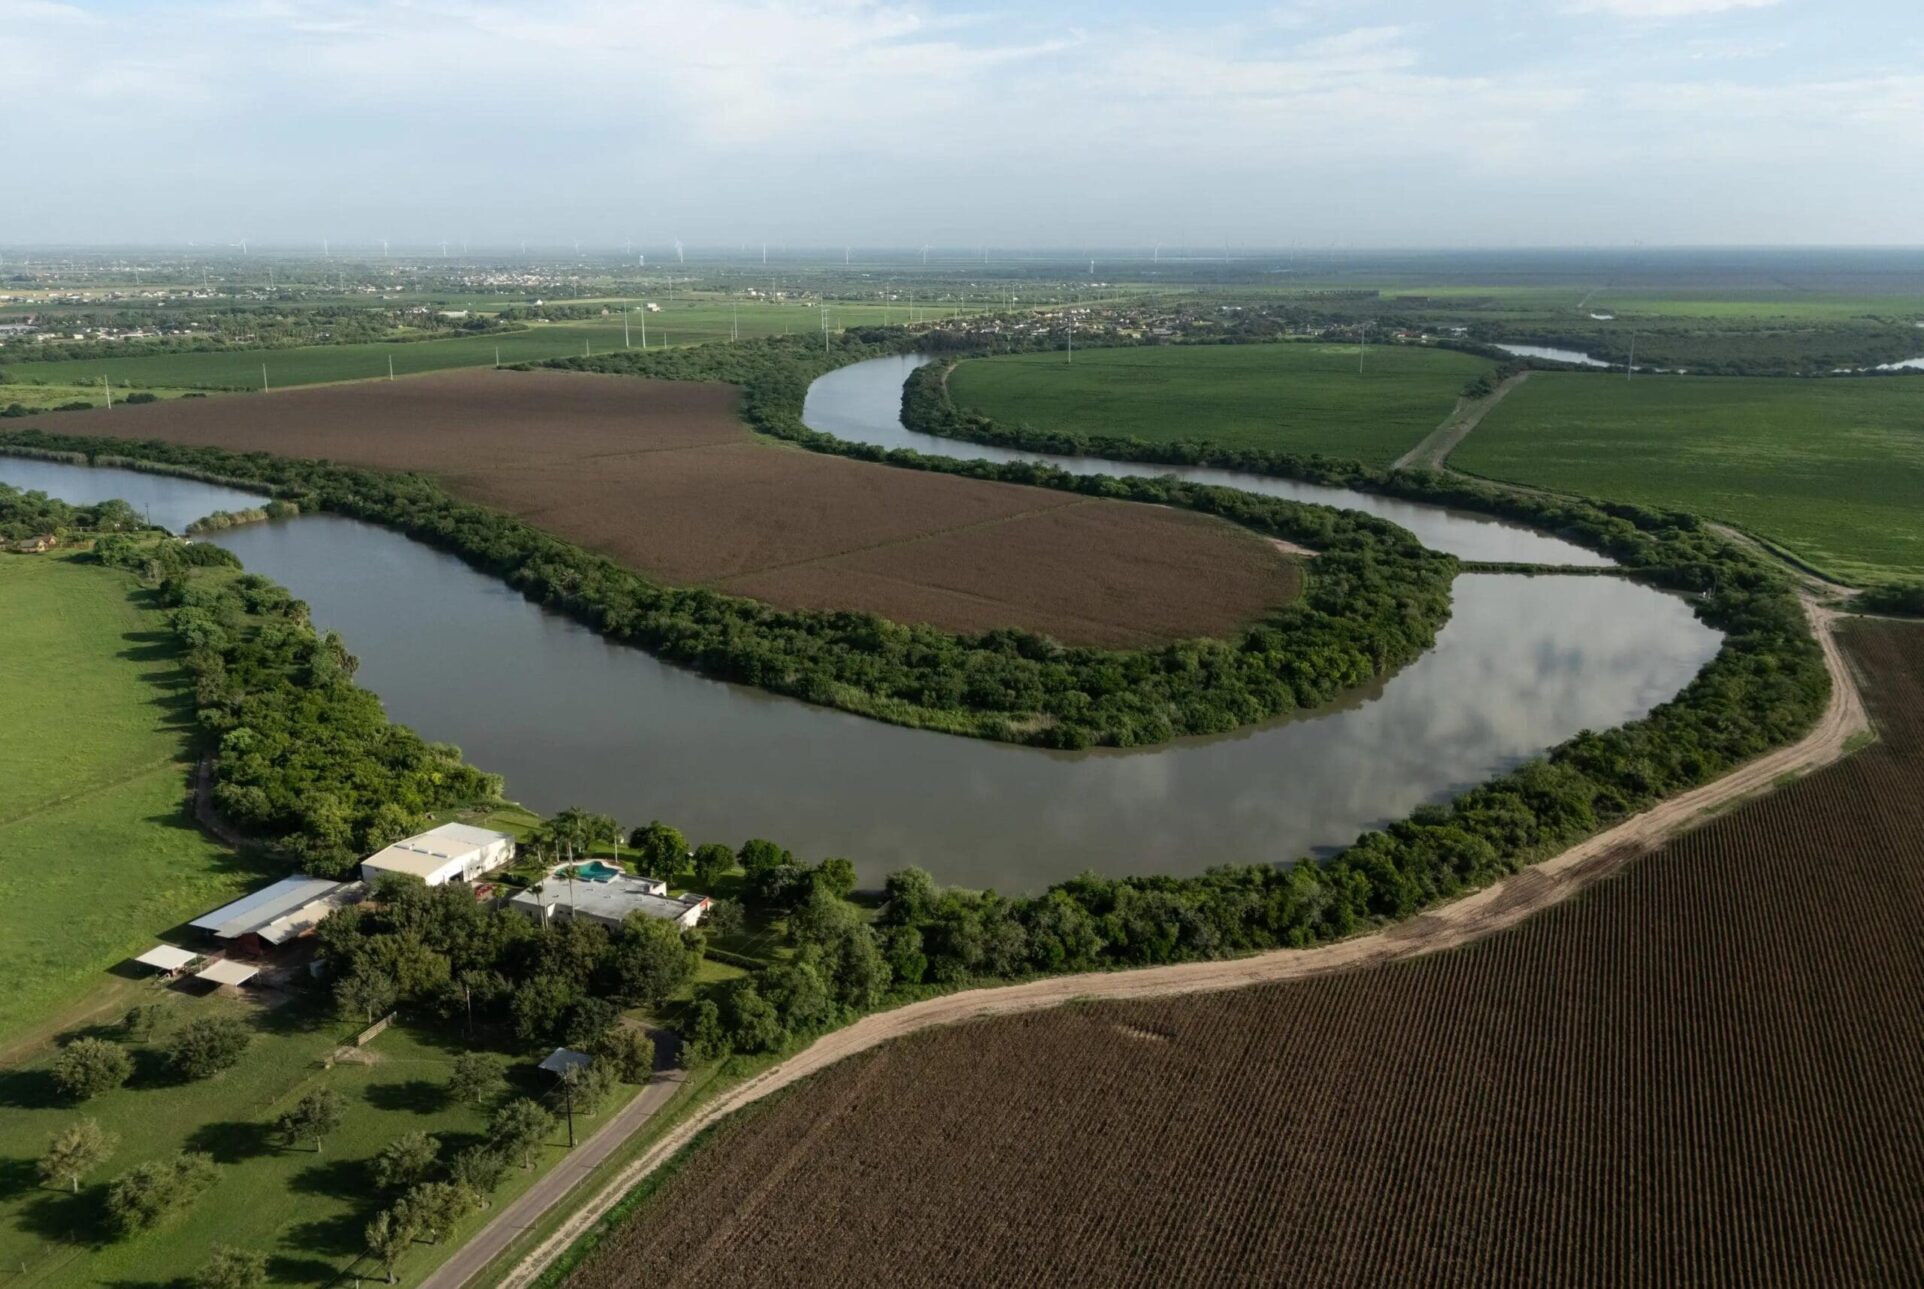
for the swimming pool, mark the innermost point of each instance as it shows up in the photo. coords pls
(596, 871)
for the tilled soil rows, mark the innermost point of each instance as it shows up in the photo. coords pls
(664, 478)
(1708, 1068)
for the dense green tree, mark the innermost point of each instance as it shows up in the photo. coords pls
(87, 1067)
(232, 1268)
(542, 1006)
(313, 1117)
(659, 851)
(518, 1129)
(207, 1045)
(724, 918)
(388, 1236)
(628, 1051)
(479, 1168)
(650, 961)
(712, 861)
(476, 1078)
(837, 876)
(141, 1196)
(407, 1159)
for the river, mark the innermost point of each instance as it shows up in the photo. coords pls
(569, 718)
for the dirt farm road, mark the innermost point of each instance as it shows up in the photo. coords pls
(1437, 445)
(1492, 909)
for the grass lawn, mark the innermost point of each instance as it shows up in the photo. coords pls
(678, 323)
(304, 1210)
(1831, 470)
(1288, 397)
(99, 853)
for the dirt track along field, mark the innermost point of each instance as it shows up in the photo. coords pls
(1898, 663)
(664, 478)
(1706, 1069)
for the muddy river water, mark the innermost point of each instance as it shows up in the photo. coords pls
(571, 719)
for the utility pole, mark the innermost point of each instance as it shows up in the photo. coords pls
(624, 328)
(1630, 363)
(263, 378)
(390, 363)
(106, 385)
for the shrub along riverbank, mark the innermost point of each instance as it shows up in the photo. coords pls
(1764, 688)
(1375, 601)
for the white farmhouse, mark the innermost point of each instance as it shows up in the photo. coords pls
(608, 902)
(450, 853)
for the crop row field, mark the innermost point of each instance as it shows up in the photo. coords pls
(678, 323)
(1292, 397)
(1831, 470)
(664, 478)
(1707, 1069)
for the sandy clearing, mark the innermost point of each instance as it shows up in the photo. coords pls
(1492, 909)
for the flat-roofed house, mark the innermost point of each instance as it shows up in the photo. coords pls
(607, 902)
(450, 853)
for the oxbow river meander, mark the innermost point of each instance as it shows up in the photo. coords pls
(569, 718)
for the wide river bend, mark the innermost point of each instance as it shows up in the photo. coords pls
(571, 719)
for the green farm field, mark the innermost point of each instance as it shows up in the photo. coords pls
(305, 1210)
(1291, 397)
(96, 848)
(678, 323)
(1830, 470)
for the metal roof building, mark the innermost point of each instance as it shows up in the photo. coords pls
(257, 912)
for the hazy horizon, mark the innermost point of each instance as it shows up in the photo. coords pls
(1379, 125)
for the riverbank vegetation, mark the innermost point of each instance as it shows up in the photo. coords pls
(1830, 470)
(1044, 1127)
(1300, 396)
(304, 760)
(1765, 686)
(1374, 602)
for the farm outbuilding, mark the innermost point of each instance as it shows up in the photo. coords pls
(167, 960)
(226, 971)
(277, 913)
(450, 853)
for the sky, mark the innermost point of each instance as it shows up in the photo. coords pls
(1318, 123)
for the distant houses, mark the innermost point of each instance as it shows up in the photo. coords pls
(450, 853)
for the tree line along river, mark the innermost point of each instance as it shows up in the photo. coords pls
(570, 719)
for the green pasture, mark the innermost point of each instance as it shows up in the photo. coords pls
(96, 844)
(1830, 470)
(305, 1210)
(1292, 397)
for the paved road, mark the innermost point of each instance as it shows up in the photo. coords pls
(533, 1204)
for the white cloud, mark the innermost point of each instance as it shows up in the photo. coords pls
(771, 118)
(1666, 8)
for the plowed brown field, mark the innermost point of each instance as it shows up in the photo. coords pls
(1708, 1068)
(664, 478)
